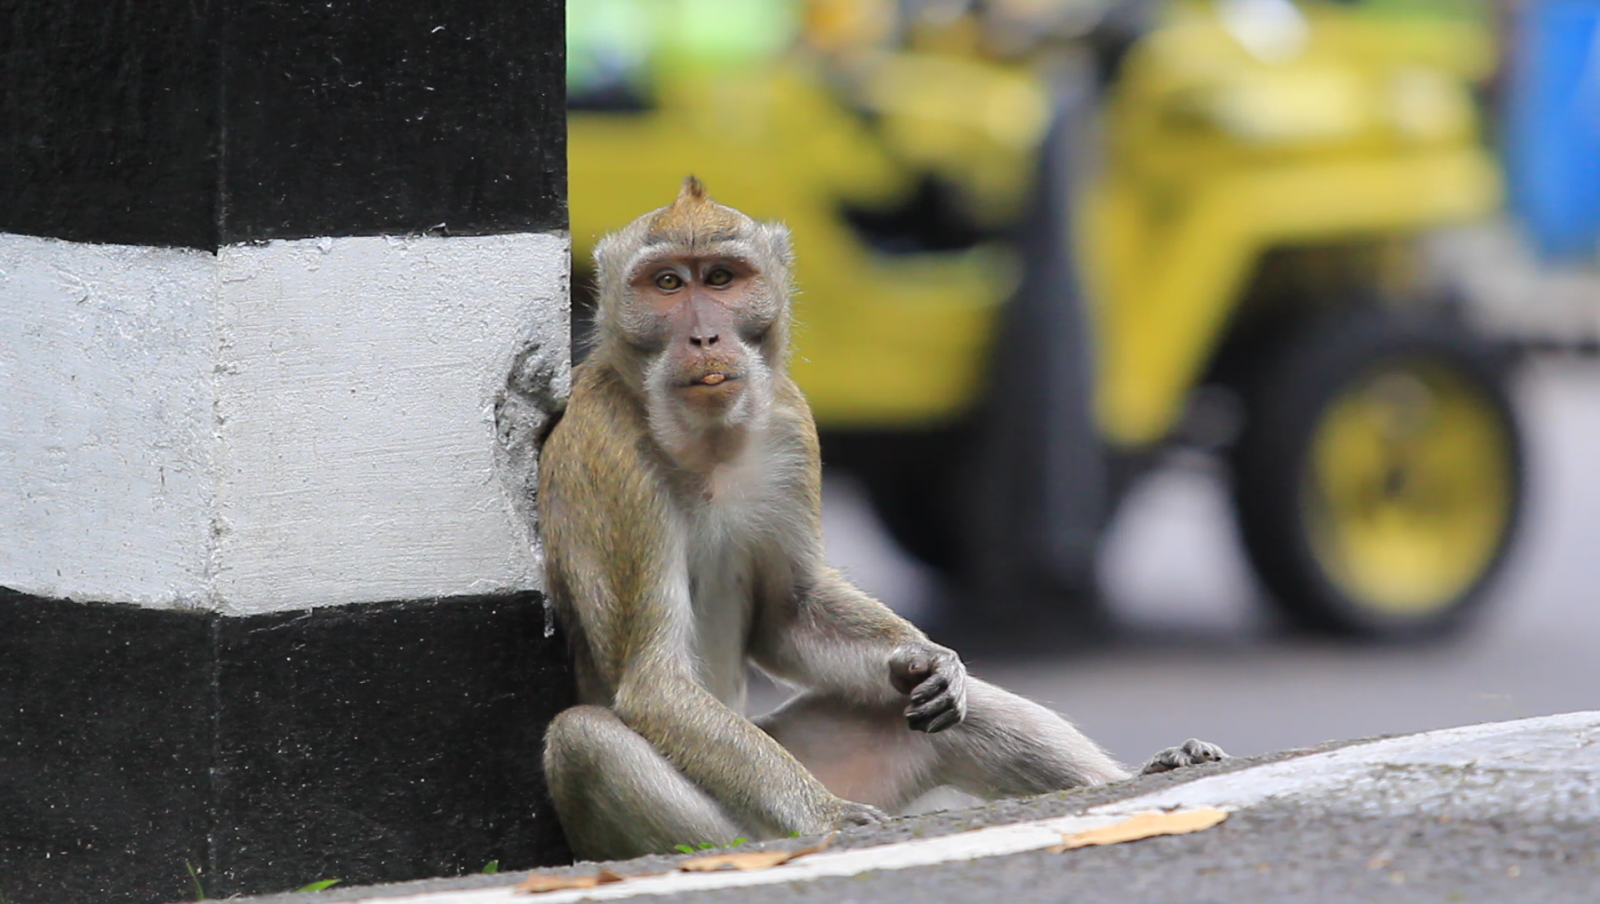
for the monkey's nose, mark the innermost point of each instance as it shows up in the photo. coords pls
(700, 341)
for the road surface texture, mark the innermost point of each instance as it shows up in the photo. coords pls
(1488, 813)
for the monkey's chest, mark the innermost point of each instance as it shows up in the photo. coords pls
(733, 539)
(721, 593)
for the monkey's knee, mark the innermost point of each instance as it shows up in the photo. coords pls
(575, 746)
(579, 747)
(619, 797)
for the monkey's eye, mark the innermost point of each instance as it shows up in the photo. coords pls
(669, 282)
(719, 277)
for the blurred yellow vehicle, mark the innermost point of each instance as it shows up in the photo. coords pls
(1037, 248)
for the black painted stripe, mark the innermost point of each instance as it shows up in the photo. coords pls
(371, 743)
(173, 122)
(110, 120)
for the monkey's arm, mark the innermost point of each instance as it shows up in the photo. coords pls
(828, 635)
(758, 782)
(815, 628)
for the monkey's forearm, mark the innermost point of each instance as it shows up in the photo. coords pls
(727, 755)
(833, 637)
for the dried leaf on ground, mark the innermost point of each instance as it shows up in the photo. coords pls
(542, 882)
(1143, 825)
(749, 860)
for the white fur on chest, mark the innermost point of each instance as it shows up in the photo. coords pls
(746, 509)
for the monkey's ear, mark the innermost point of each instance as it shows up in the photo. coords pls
(611, 261)
(773, 240)
(605, 251)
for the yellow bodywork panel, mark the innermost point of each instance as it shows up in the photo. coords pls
(1217, 152)
(1218, 156)
(1170, 285)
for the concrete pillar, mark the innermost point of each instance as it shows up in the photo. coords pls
(283, 311)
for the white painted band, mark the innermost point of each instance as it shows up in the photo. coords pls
(996, 841)
(1504, 743)
(277, 426)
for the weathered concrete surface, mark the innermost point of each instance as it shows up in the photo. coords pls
(1506, 811)
(276, 426)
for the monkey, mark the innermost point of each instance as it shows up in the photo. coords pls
(680, 520)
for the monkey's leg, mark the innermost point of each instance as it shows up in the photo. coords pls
(1010, 746)
(1007, 746)
(865, 754)
(618, 797)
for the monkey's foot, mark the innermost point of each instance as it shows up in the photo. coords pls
(858, 814)
(1192, 753)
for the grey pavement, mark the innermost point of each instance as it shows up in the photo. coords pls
(1495, 812)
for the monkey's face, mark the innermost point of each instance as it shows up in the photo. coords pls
(694, 311)
(704, 318)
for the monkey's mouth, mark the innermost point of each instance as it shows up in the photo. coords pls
(712, 380)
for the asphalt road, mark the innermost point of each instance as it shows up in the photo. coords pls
(1472, 821)
(1491, 813)
(1200, 655)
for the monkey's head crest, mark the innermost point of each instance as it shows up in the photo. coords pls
(692, 189)
(693, 225)
(693, 219)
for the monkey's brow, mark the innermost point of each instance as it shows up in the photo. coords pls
(729, 251)
(693, 239)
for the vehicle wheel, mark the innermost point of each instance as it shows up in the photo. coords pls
(1379, 478)
(908, 476)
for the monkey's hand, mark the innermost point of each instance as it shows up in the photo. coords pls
(1193, 752)
(936, 681)
(851, 813)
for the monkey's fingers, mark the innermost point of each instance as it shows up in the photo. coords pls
(929, 689)
(935, 715)
(950, 718)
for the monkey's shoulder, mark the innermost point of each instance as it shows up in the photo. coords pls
(793, 413)
(600, 411)
(596, 450)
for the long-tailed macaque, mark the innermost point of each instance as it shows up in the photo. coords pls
(680, 520)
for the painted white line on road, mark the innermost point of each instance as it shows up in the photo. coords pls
(1551, 742)
(1564, 743)
(995, 841)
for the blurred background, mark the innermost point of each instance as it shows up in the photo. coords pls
(1213, 368)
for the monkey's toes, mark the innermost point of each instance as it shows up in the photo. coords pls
(1203, 751)
(1193, 752)
(859, 814)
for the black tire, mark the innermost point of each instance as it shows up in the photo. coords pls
(1280, 486)
(908, 476)
(1035, 494)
